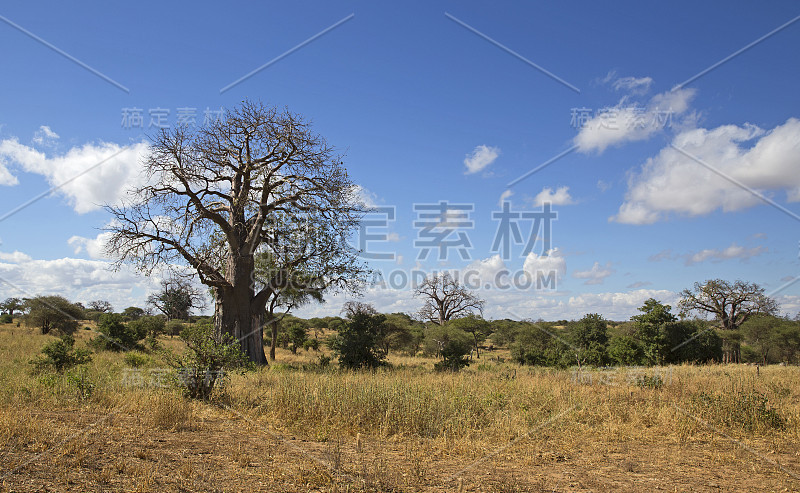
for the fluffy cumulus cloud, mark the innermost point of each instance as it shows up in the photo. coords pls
(553, 261)
(75, 279)
(481, 157)
(95, 248)
(596, 275)
(559, 197)
(89, 176)
(628, 122)
(485, 270)
(673, 182)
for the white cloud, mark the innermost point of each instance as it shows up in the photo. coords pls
(627, 122)
(44, 136)
(633, 84)
(559, 197)
(481, 157)
(504, 197)
(15, 257)
(639, 284)
(363, 196)
(553, 261)
(671, 182)
(89, 176)
(95, 248)
(662, 255)
(595, 275)
(732, 252)
(486, 269)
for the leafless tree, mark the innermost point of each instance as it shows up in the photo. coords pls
(446, 299)
(218, 195)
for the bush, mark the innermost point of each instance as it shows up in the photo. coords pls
(115, 335)
(136, 359)
(6, 319)
(357, 343)
(61, 355)
(451, 344)
(150, 326)
(205, 362)
(174, 327)
(534, 345)
(624, 351)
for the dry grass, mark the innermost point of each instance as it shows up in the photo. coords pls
(493, 427)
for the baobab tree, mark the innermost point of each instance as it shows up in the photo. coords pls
(732, 304)
(214, 197)
(446, 299)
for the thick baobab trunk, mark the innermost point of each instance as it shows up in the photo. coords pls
(239, 313)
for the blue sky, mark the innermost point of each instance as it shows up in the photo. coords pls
(646, 199)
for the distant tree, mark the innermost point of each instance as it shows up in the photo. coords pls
(297, 335)
(397, 334)
(449, 343)
(505, 331)
(357, 343)
(11, 306)
(651, 330)
(731, 303)
(133, 313)
(149, 325)
(590, 335)
(52, 313)
(100, 306)
(476, 327)
(788, 337)
(446, 299)
(624, 350)
(761, 334)
(535, 344)
(176, 298)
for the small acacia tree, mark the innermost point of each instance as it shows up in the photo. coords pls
(52, 313)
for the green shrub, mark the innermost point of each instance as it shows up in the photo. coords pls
(202, 367)
(174, 327)
(79, 380)
(136, 359)
(6, 319)
(115, 335)
(357, 343)
(451, 344)
(61, 355)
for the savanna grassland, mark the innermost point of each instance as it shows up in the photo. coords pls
(298, 426)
